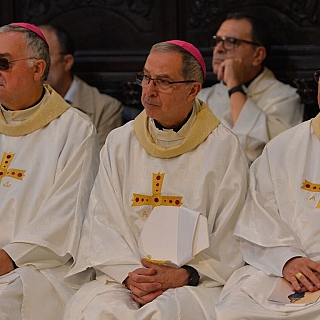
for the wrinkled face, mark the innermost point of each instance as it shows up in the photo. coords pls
(17, 83)
(169, 109)
(239, 29)
(57, 68)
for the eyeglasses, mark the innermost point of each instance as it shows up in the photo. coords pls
(163, 85)
(316, 76)
(5, 63)
(229, 43)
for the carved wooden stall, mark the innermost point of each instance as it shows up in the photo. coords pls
(112, 37)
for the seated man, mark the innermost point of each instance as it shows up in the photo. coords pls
(174, 153)
(249, 99)
(279, 230)
(49, 160)
(104, 110)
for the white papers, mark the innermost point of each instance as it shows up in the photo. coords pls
(283, 294)
(173, 235)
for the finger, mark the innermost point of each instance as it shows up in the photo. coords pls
(303, 289)
(220, 74)
(295, 283)
(148, 265)
(138, 278)
(314, 266)
(141, 289)
(309, 280)
(143, 271)
(146, 298)
(302, 281)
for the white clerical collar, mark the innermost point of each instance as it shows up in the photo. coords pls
(71, 93)
(18, 116)
(168, 137)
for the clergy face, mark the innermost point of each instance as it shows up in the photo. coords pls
(238, 29)
(60, 62)
(169, 107)
(20, 85)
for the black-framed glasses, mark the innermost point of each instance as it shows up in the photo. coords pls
(5, 63)
(229, 43)
(163, 85)
(316, 76)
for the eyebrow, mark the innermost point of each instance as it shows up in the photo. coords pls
(159, 76)
(5, 55)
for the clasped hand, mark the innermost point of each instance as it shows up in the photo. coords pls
(148, 283)
(303, 274)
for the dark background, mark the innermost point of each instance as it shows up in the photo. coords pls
(113, 37)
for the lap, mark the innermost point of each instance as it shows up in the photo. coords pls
(236, 304)
(96, 300)
(11, 300)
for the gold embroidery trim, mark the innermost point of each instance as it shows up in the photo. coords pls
(204, 124)
(11, 173)
(51, 110)
(158, 262)
(309, 186)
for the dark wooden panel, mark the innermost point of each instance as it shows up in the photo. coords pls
(292, 22)
(7, 11)
(113, 37)
(105, 25)
(294, 28)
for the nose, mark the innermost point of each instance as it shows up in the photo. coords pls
(150, 88)
(219, 47)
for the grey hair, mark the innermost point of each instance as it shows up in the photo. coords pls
(38, 47)
(191, 68)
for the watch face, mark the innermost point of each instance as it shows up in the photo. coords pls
(194, 276)
(194, 280)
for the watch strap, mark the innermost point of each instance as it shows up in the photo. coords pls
(238, 88)
(194, 275)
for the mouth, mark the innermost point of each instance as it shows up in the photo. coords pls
(149, 104)
(217, 60)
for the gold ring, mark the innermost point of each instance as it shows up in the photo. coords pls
(298, 275)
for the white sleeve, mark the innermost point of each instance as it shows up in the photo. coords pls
(269, 260)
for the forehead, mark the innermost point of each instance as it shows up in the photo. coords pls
(12, 44)
(165, 64)
(235, 28)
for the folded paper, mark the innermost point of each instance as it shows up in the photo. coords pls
(173, 235)
(283, 294)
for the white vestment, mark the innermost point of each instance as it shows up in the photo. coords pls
(271, 108)
(49, 159)
(201, 166)
(280, 220)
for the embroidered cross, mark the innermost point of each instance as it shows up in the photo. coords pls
(309, 186)
(156, 199)
(4, 168)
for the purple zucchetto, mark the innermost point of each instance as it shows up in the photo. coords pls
(192, 50)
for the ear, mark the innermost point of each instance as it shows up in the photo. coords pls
(260, 54)
(39, 68)
(68, 61)
(194, 89)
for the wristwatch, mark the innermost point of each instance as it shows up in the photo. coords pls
(238, 88)
(194, 275)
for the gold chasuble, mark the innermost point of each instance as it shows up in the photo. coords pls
(204, 124)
